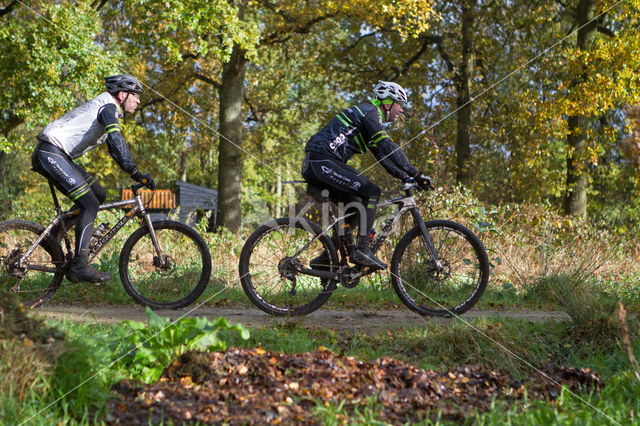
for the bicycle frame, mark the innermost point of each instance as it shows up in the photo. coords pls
(405, 204)
(137, 210)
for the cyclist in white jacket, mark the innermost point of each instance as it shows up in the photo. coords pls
(72, 135)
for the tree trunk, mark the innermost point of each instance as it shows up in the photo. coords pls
(182, 165)
(5, 128)
(575, 202)
(3, 155)
(463, 88)
(229, 156)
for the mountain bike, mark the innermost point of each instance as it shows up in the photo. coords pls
(438, 268)
(163, 264)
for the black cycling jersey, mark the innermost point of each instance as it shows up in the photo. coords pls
(358, 129)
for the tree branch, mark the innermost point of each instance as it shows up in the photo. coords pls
(282, 36)
(443, 54)
(358, 40)
(272, 7)
(208, 80)
(11, 123)
(98, 4)
(605, 31)
(186, 56)
(8, 8)
(257, 116)
(426, 42)
(153, 101)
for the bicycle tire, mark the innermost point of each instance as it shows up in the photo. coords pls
(436, 294)
(51, 255)
(155, 279)
(250, 272)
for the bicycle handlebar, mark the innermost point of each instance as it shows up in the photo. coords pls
(412, 184)
(135, 187)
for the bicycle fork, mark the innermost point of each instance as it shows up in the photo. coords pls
(154, 239)
(426, 238)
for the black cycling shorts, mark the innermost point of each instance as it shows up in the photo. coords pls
(344, 182)
(70, 178)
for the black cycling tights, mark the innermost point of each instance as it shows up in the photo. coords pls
(89, 205)
(345, 185)
(74, 182)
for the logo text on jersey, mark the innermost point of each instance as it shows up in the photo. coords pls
(337, 141)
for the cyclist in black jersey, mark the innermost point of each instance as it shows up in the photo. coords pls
(356, 130)
(72, 135)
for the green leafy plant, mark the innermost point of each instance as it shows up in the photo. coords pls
(152, 347)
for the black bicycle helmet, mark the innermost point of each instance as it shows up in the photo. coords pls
(122, 83)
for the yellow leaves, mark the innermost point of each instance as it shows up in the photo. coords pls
(408, 17)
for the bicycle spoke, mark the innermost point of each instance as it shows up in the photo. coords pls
(455, 281)
(176, 279)
(270, 276)
(40, 275)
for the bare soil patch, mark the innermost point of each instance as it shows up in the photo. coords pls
(352, 319)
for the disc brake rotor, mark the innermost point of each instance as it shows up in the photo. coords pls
(165, 267)
(441, 272)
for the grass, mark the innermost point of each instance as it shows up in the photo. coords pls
(40, 364)
(617, 402)
(444, 346)
(439, 346)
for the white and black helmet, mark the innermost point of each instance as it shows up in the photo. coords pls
(388, 89)
(122, 83)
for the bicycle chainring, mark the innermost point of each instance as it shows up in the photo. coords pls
(346, 281)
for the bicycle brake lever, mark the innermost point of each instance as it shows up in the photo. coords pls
(409, 185)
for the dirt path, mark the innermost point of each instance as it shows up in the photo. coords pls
(337, 319)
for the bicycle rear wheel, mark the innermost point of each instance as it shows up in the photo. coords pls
(267, 267)
(174, 283)
(449, 290)
(41, 277)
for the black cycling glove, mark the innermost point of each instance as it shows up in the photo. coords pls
(144, 179)
(424, 181)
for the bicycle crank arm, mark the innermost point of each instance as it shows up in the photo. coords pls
(41, 268)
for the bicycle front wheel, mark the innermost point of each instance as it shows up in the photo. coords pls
(173, 281)
(450, 288)
(35, 282)
(268, 267)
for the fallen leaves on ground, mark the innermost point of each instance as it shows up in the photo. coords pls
(248, 386)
